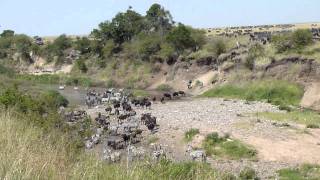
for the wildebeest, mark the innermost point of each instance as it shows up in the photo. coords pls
(102, 120)
(162, 100)
(116, 105)
(182, 93)
(108, 109)
(175, 94)
(167, 95)
(126, 106)
(149, 121)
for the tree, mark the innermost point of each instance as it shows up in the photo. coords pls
(301, 38)
(180, 38)
(7, 33)
(23, 45)
(83, 45)
(125, 25)
(103, 33)
(199, 38)
(159, 19)
(122, 27)
(57, 47)
(148, 45)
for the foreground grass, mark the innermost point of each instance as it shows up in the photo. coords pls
(227, 148)
(30, 152)
(306, 117)
(305, 172)
(280, 93)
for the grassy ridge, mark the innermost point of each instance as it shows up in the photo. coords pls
(280, 93)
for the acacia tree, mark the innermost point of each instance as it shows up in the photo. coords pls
(122, 27)
(180, 38)
(7, 33)
(159, 19)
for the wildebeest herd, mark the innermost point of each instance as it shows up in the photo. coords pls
(119, 127)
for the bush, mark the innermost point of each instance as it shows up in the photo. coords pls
(301, 38)
(188, 136)
(53, 99)
(297, 40)
(220, 146)
(255, 51)
(111, 83)
(282, 42)
(313, 126)
(218, 47)
(248, 173)
(81, 65)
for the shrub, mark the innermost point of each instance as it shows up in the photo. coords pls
(81, 65)
(218, 47)
(313, 126)
(53, 99)
(301, 38)
(188, 136)
(296, 40)
(222, 147)
(255, 51)
(111, 83)
(282, 42)
(248, 173)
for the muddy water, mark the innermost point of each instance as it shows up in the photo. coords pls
(75, 97)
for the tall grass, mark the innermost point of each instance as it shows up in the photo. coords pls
(30, 152)
(277, 92)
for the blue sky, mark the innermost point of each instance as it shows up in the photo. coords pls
(54, 17)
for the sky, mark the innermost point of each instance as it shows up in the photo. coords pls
(79, 17)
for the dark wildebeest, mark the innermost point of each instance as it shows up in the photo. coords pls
(108, 109)
(126, 107)
(175, 94)
(162, 100)
(167, 95)
(147, 104)
(182, 93)
(116, 105)
(154, 99)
